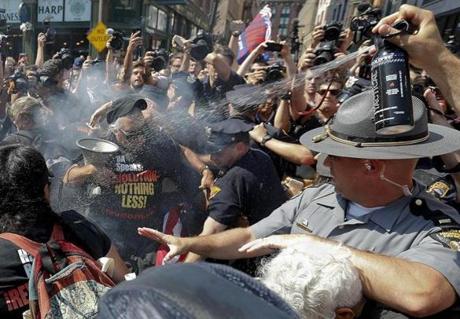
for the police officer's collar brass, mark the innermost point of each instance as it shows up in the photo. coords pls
(351, 133)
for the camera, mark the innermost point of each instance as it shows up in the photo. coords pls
(66, 57)
(274, 73)
(116, 42)
(360, 85)
(274, 47)
(160, 60)
(21, 84)
(50, 33)
(202, 45)
(362, 24)
(327, 47)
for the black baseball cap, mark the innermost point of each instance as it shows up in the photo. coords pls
(226, 132)
(124, 105)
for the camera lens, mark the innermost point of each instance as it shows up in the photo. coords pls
(323, 57)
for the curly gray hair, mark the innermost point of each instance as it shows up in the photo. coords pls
(314, 281)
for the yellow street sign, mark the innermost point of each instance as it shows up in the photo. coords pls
(98, 36)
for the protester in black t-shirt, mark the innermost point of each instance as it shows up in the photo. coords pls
(25, 210)
(139, 186)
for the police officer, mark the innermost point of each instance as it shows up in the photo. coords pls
(247, 188)
(400, 238)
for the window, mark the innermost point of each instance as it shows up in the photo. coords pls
(284, 21)
(172, 21)
(283, 31)
(162, 21)
(153, 17)
(286, 11)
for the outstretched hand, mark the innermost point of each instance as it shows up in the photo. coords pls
(177, 246)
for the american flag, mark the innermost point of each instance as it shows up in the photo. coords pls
(258, 31)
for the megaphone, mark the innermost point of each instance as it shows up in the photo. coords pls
(97, 151)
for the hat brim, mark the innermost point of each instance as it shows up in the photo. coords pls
(442, 140)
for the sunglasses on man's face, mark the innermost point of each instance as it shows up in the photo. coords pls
(131, 134)
(332, 92)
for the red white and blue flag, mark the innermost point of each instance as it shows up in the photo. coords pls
(258, 31)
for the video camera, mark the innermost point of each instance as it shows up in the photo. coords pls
(362, 24)
(328, 46)
(360, 85)
(202, 45)
(160, 59)
(66, 57)
(116, 42)
(21, 83)
(50, 32)
(275, 72)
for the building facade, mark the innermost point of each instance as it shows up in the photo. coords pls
(283, 14)
(227, 11)
(69, 21)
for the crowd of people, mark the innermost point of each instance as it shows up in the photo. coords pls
(184, 156)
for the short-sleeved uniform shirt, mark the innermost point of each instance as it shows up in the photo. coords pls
(392, 230)
(250, 188)
(15, 263)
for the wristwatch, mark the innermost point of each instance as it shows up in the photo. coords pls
(265, 139)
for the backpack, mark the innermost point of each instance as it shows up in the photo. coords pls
(66, 281)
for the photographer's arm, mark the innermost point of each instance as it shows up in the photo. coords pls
(289, 63)
(41, 40)
(236, 27)
(282, 118)
(233, 45)
(109, 59)
(134, 41)
(246, 65)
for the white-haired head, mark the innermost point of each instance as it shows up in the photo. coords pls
(313, 280)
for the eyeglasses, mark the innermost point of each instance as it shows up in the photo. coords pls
(132, 134)
(332, 92)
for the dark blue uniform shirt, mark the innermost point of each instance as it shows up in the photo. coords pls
(251, 188)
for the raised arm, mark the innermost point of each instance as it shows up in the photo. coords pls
(236, 27)
(41, 40)
(134, 41)
(246, 65)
